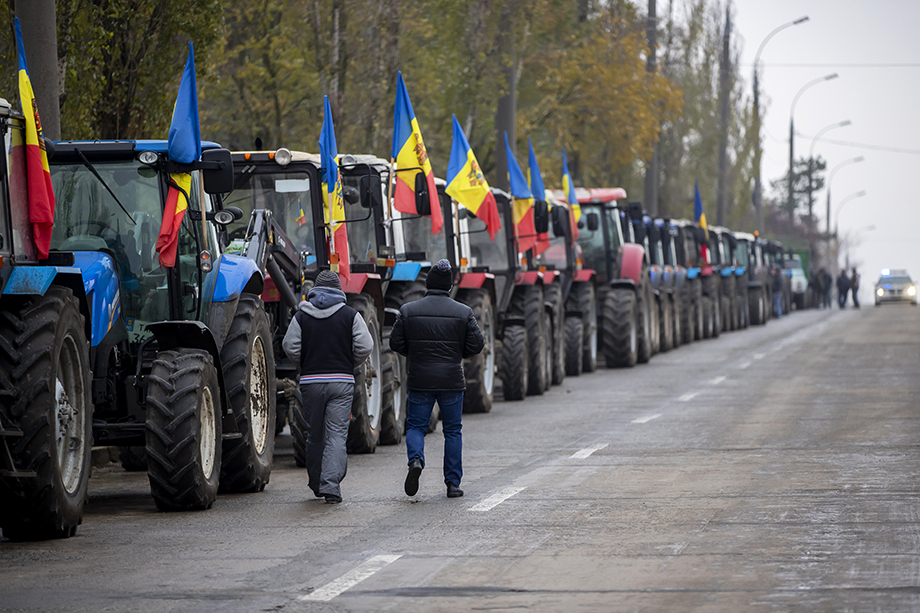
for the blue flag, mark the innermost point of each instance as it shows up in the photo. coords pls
(516, 179)
(328, 151)
(184, 131)
(698, 214)
(536, 179)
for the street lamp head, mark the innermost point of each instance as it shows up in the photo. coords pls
(859, 194)
(800, 20)
(830, 77)
(844, 123)
(859, 159)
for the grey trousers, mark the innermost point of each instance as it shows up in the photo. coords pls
(327, 411)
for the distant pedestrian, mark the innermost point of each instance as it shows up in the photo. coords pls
(436, 333)
(827, 283)
(328, 339)
(778, 292)
(854, 288)
(843, 285)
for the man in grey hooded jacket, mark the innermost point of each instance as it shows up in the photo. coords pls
(329, 339)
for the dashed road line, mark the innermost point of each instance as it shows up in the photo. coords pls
(496, 499)
(587, 451)
(745, 365)
(718, 380)
(645, 420)
(759, 356)
(350, 579)
(688, 396)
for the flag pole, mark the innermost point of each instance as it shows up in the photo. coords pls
(204, 220)
(390, 180)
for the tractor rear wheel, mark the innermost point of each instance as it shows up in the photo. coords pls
(299, 428)
(553, 293)
(677, 326)
(583, 299)
(574, 348)
(248, 362)
(645, 331)
(393, 419)
(183, 430)
(665, 319)
(514, 371)
(480, 369)
(744, 319)
(708, 318)
(537, 338)
(726, 313)
(755, 305)
(44, 357)
(699, 321)
(367, 405)
(620, 329)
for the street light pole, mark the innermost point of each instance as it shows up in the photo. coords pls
(790, 201)
(811, 157)
(758, 152)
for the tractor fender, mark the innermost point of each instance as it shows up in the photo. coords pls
(727, 271)
(196, 335)
(368, 283)
(475, 280)
(740, 270)
(527, 277)
(755, 284)
(585, 274)
(693, 273)
(633, 262)
(234, 275)
(408, 271)
(624, 284)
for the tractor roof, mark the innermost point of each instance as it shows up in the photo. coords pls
(744, 236)
(117, 146)
(594, 195)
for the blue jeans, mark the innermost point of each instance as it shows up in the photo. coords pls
(778, 303)
(418, 413)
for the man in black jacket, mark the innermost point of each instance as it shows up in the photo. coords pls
(436, 333)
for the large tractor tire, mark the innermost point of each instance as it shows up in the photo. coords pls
(645, 332)
(574, 345)
(367, 406)
(620, 328)
(728, 291)
(677, 336)
(530, 303)
(666, 320)
(583, 299)
(183, 430)
(515, 365)
(726, 314)
(687, 315)
(44, 358)
(712, 290)
(756, 307)
(300, 429)
(708, 317)
(133, 459)
(480, 369)
(248, 361)
(744, 319)
(553, 296)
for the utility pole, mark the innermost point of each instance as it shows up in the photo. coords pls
(39, 36)
(724, 96)
(651, 169)
(505, 121)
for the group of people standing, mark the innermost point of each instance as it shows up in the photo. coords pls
(822, 282)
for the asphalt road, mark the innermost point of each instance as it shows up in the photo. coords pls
(772, 469)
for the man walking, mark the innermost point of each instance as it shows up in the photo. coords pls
(843, 284)
(329, 340)
(828, 286)
(778, 292)
(854, 287)
(436, 333)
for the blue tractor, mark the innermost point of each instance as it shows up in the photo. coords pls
(100, 344)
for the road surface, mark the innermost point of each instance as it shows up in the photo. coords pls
(772, 469)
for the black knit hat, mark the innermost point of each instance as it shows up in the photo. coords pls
(327, 278)
(440, 276)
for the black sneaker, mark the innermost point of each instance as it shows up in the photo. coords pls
(333, 499)
(454, 491)
(415, 471)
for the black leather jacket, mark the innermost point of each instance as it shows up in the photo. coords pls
(436, 333)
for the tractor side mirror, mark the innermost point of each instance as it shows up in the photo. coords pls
(371, 196)
(560, 219)
(422, 197)
(594, 222)
(541, 216)
(49, 147)
(634, 210)
(217, 171)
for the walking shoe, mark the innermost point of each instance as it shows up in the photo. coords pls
(415, 471)
(333, 499)
(454, 491)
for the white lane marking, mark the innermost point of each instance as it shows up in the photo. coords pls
(350, 579)
(759, 356)
(645, 420)
(718, 380)
(584, 453)
(744, 365)
(496, 499)
(688, 396)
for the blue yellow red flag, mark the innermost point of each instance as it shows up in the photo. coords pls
(333, 202)
(467, 185)
(698, 215)
(535, 180)
(568, 187)
(411, 157)
(522, 203)
(183, 147)
(38, 174)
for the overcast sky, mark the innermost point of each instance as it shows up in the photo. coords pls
(852, 38)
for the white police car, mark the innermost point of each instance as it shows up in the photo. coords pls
(895, 286)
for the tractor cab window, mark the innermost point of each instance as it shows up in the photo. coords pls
(483, 250)
(20, 240)
(741, 253)
(417, 236)
(362, 226)
(554, 248)
(593, 249)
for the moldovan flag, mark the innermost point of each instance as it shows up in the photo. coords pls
(184, 147)
(411, 158)
(38, 175)
(698, 215)
(333, 202)
(535, 180)
(467, 185)
(522, 203)
(569, 188)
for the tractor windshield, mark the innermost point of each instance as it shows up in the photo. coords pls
(485, 251)
(741, 253)
(287, 196)
(418, 239)
(362, 227)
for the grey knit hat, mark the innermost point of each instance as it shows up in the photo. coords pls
(327, 278)
(440, 276)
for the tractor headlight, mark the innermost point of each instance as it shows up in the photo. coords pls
(147, 157)
(880, 292)
(283, 156)
(911, 291)
(223, 217)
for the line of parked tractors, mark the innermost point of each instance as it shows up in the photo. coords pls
(182, 368)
